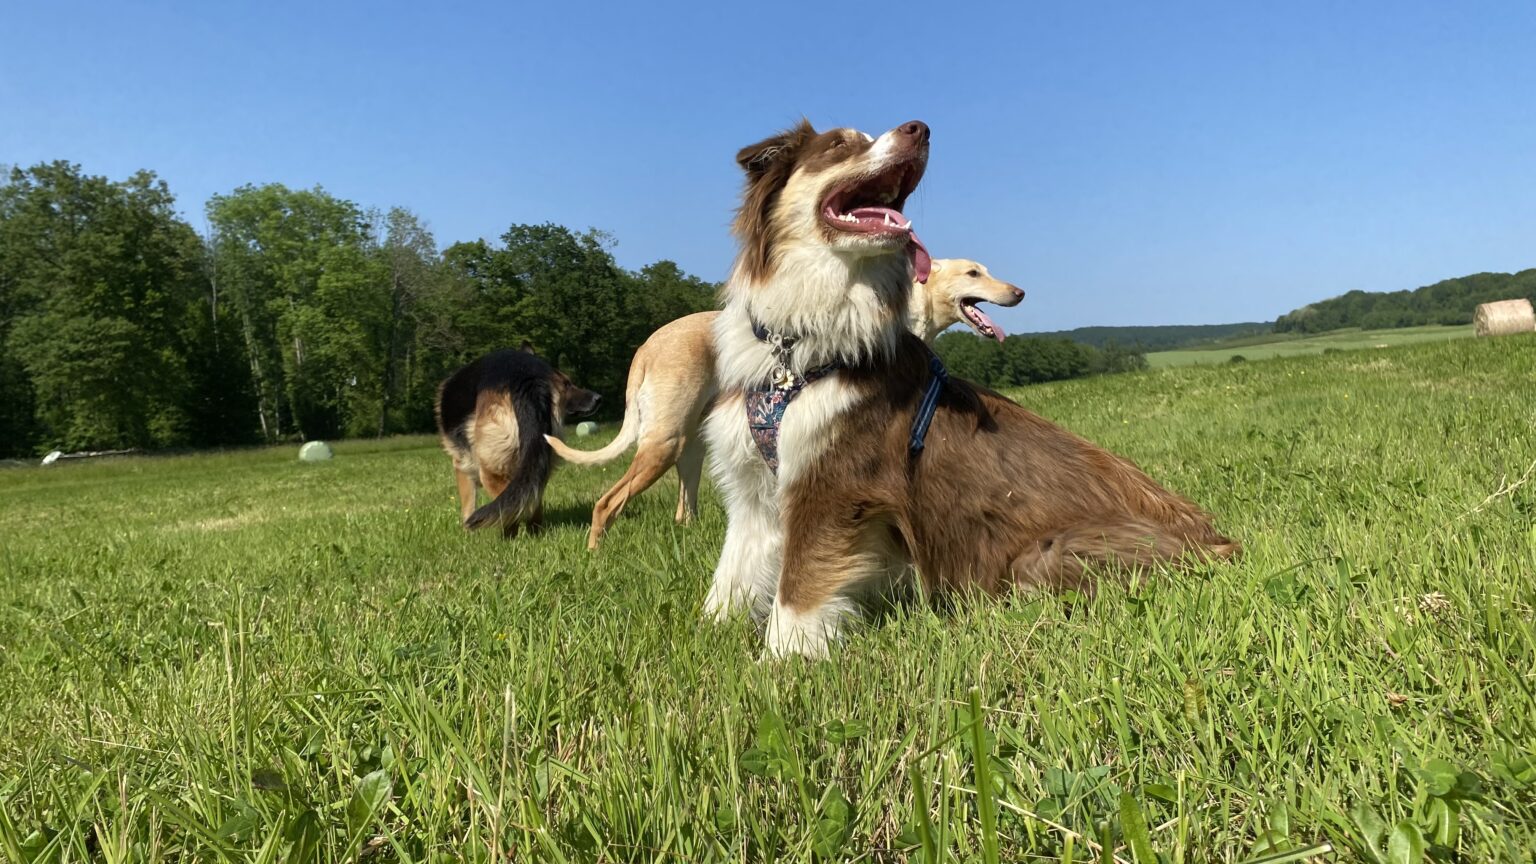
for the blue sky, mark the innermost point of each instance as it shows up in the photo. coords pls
(1135, 163)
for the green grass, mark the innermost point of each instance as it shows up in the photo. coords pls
(1266, 346)
(241, 657)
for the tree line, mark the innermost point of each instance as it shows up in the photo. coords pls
(1451, 301)
(1021, 360)
(1158, 337)
(296, 314)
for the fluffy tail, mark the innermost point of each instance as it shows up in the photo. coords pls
(530, 473)
(629, 431)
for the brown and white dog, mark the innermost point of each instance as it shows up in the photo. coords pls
(999, 499)
(672, 383)
(492, 416)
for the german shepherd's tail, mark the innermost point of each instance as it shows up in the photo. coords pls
(511, 437)
(629, 430)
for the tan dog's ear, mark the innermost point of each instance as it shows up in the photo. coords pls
(758, 158)
(935, 265)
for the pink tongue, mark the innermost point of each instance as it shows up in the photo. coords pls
(984, 318)
(922, 264)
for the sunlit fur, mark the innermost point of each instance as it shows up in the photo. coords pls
(845, 295)
(844, 298)
(998, 500)
(936, 306)
(672, 383)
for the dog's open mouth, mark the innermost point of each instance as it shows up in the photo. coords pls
(871, 206)
(979, 320)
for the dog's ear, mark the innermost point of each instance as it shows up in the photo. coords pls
(769, 164)
(780, 149)
(527, 347)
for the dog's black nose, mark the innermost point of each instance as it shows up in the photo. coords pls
(916, 129)
(1018, 293)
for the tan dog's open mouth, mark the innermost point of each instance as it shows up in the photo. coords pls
(979, 320)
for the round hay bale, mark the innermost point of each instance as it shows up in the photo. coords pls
(1504, 317)
(315, 451)
(585, 428)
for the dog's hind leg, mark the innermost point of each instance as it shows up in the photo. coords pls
(689, 466)
(534, 523)
(649, 464)
(468, 492)
(1068, 560)
(494, 483)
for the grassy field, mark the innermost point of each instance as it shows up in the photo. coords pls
(241, 657)
(1292, 345)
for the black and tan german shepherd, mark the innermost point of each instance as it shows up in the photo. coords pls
(493, 415)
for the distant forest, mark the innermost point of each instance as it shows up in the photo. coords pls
(1021, 360)
(1449, 302)
(299, 315)
(1157, 338)
(296, 315)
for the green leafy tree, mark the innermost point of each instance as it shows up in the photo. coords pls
(977, 360)
(99, 287)
(1028, 360)
(414, 275)
(272, 247)
(299, 314)
(666, 293)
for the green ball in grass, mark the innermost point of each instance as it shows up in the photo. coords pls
(315, 451)
(585, 428)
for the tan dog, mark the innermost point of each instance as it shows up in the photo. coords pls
(849, 466)
(672, 382)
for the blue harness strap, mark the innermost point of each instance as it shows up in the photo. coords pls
(939, 376)
(766, 404)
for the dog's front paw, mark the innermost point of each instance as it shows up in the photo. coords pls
(791, 633)
(722, 603)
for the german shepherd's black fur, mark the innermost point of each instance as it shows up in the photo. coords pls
(492, 416)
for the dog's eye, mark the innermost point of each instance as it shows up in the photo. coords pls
(974, 274)
(841, 142)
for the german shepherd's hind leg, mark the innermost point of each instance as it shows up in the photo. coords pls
(469, 489)
(534, 523)
(689, 466)
(494, 484)
(645, 469)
